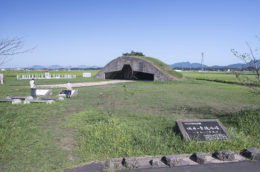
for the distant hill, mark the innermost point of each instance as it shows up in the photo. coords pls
(53, 67)
(188, 65)
(37, 67)
(56, 67)
(85, 66)
(236, 66)
(258, 63)
(180, 65)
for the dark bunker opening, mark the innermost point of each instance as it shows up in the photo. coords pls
(128, 74)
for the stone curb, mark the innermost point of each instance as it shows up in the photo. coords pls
(222, 156)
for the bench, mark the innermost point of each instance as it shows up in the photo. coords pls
(39, 101)
(17, 97)
(48, 98)
(5, 100)
(13, 101)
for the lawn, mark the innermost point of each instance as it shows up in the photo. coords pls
(131, 119)
(224, 77)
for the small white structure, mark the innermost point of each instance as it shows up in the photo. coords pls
(43, 92)
(1, 78)
(86, 75)
(50, 101)
(16, 101)
(29, 98)
(26, 101)
(47, 75)
(60, 98)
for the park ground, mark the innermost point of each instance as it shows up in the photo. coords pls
(125, 119)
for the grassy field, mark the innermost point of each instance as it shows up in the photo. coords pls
(130, 119)
(224, 77)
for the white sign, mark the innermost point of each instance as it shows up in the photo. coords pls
(47, 75)
(1, 78)
(86, 75)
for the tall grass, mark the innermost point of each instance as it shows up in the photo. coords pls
(100, 136)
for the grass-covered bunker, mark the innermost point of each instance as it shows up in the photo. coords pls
(138, 68)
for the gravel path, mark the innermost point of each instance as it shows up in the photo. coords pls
(84, 84)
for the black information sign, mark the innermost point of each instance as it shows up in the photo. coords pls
(202, 130)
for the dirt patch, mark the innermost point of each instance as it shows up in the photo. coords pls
(85, 84)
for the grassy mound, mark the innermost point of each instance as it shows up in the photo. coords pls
(159, 64)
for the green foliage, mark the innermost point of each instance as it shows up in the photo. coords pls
(133, 53)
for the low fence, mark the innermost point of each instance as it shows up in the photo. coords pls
(41, 76)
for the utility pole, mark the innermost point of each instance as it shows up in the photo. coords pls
(202, 60)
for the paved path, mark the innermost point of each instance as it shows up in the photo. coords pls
(243, 166)
(94, 167)
(84, 84)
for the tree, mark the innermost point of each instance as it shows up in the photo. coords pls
(10, 47)
(133, 53)
(252, 64)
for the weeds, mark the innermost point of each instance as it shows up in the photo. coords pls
(127, 134)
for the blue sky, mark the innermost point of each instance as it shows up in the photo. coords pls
(94, 32)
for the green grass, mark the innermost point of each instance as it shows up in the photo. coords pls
(224, 77)
(25, 144)
(130, 119)
(100, 136)
(162, 66)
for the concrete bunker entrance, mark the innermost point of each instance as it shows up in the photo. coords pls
(128, 74)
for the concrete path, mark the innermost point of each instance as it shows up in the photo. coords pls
(243, 166)
(94, 167)
(85, 84)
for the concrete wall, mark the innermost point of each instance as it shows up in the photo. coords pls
(136, 65)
